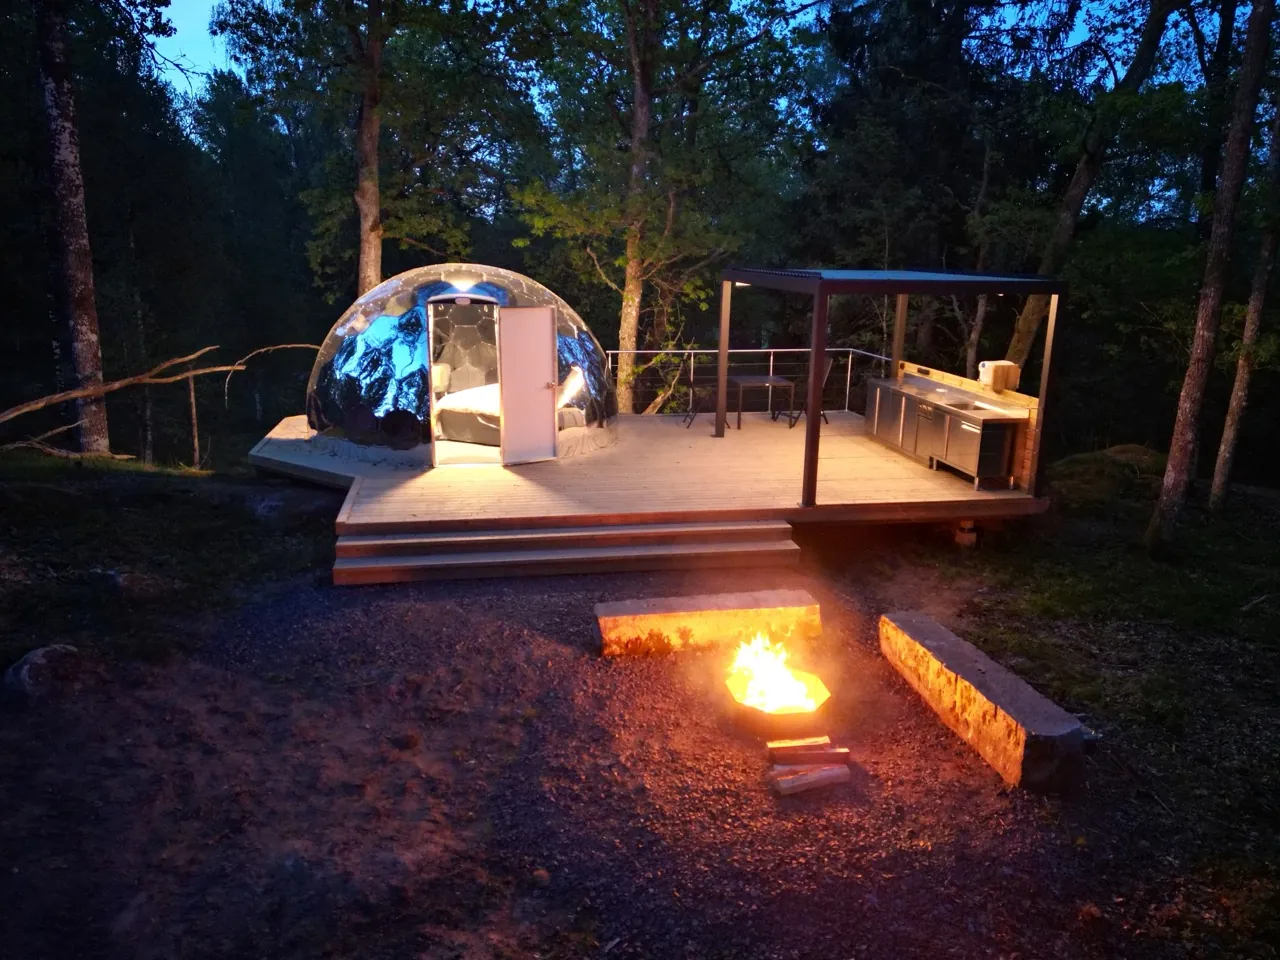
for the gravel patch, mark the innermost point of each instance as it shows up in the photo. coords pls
(450, 770)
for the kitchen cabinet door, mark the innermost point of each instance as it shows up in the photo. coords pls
(930, 423)
(890, 416)
(964, 441)
(907, 429)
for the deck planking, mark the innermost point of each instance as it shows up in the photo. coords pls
(659, 471)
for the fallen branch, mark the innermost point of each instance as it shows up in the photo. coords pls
(226, 384)
(52, 433)
(1255, 601)
(38, 444)
(101, 390)
(47, 448)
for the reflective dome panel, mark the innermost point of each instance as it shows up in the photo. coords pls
(371, 382)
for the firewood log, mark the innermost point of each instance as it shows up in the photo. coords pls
(779, 750)
(819, 756)
(811, 780)
(791, 769)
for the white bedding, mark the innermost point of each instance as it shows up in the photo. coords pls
(482, 400)
(486, 400)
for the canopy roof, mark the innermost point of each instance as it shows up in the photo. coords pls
(888, 282)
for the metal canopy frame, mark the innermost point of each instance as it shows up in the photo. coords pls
(823, 284)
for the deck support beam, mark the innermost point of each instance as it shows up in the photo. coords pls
(813, 401)
(899, 335)
(722, 359)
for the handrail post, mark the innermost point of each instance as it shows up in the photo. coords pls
(693, 363)
(771, 385)
(848, 378)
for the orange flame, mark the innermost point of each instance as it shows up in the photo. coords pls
(760, 678)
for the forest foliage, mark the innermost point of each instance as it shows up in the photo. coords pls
(622, 152)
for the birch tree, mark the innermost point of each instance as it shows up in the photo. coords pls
(71, 227)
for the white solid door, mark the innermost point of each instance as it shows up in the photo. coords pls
(527, 375)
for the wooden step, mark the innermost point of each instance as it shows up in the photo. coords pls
(616, 535)
(430, 523)
(595, 559)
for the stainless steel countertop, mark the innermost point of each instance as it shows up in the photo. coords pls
(944, 397)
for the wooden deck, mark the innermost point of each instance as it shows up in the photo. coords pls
(662, 497)
(659, 471)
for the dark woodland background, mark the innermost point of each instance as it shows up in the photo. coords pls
(855, 134)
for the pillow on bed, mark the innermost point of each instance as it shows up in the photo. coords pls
(440, 377)
(482, 400)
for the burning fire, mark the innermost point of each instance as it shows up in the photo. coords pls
(760, 678)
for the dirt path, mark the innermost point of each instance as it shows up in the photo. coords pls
(448, 770)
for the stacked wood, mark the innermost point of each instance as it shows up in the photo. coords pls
(809, 778)
(821, 756)
(806, 764)
(778, 749)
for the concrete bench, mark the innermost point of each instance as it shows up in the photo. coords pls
(1025, 736)
(664, 624)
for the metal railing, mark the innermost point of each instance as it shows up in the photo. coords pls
(844, 389)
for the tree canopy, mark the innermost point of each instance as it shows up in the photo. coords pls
(624, 151)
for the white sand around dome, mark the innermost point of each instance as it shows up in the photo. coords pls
(293, 449)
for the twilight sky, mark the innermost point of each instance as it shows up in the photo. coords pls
(191, 44)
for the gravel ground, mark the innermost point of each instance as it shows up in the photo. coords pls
(449, 770)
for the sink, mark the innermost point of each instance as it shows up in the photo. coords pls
(963, 405)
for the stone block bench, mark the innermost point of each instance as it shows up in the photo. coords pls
(664, 624)
(1025, 736)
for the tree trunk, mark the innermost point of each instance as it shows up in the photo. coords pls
(368, 124)
(640, 39)
(1181, 464)
(59, 329)
(1249, 339)
(148, 429)
(195, 425)
(71, 226)
(1086, 173)
(974, 339)
(1215, 83)
(629, 321)
(924, 332)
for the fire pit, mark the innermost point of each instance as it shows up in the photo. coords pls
(770, 698)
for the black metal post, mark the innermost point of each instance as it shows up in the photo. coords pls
(813, 405)
(722, 359)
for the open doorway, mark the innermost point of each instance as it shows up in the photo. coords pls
(466, 399)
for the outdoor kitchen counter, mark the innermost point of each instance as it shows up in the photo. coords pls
(974, 407)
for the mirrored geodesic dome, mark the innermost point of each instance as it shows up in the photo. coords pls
(373, 380)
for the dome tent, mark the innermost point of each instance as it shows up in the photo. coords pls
(429, 336)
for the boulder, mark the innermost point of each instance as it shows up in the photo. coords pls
(45, 672)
